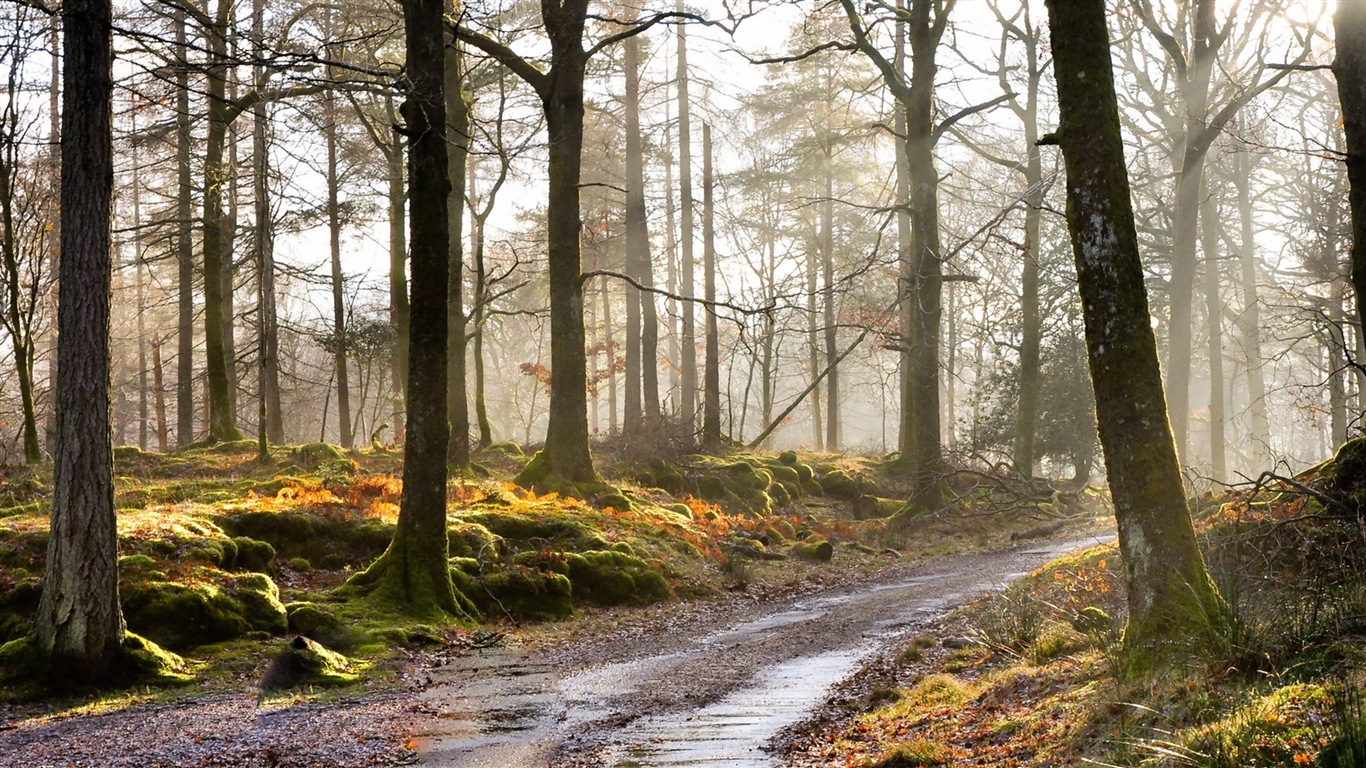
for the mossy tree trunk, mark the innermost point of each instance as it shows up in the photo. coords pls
(413, 572)
(1350, 69)
(711, 409)
(79, 624)
(687, 270)
(184, 241)
(1169, 590)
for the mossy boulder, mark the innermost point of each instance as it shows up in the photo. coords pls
(788, 458)
(507, 448)
(306, 533)
(615, 501)
(838, 484)
(469, 539)
(523, 591)
(814, 548)
(542, 530)
(313, 456)
(613, 578)
(310, 619)
(682, 510)
(665, 476)
(1347, 470)
(180, 615)
(305, 662)
(18, 605)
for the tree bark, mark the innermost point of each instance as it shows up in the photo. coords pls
(79, 625)
(1249, 320)
(1350, 68)
(20, 329)
(184, 242)
(642, 324)
(458, 140)
(688, 280)
(1214, 318)
(268, 336)
(399, 313)
(832, 384)
(711, 411)
(339, 337)
(222, 420)
(414, 572)
(1170, 593)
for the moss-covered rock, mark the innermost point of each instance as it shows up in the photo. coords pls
(507, 448)
(251, 555)
(837, 484)
(260, 601)
(180, 615)
(682, 510)
(310, 619)
(815, 548)
(312, 456)
(615, 501)
(309, 534)
(18, 605)
(613, 578)
(305, 662)
(788, 458)
(542, 530)
(525, 592)
(469, 539)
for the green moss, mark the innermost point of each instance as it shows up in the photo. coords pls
(509, 448)
(312, 456)
(300, 564)
(788, 458)
(524, 592)
(310, 619)
(305, 662)
(542, 530)
(615, 501)
(837, 484)
(260, 601)
(683, 510)
(250, 554)
(814, 548)
(305, 533)
(18, 604)
(150, 663)
(613, 578)
(179, 615)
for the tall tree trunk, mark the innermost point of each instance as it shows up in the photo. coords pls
(414, 572)
(672, 306)
(1031, 321)
(339, 336)
(138, 269)
(642, 332)
(481, 409)
(1189, 185)
(905, 253)
(159, 390)
(711, 411)
(609, 351)
(813, 344)
(268, 336)
(399, 313)
(566, 442)
(688, 342)
(832, 401)
(184, 242)
(54, 215)
(79, 625)
(458, 138)
(1214, 317)
(1249, 320)
(1170, 593)
(1350, 68)
(222, 421)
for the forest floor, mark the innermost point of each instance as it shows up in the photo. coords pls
(696, 595)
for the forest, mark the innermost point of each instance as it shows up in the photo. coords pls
(744, 382)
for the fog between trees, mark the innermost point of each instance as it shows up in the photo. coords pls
(258, 207)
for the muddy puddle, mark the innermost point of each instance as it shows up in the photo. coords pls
(710, 697)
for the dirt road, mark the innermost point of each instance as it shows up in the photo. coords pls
(710, 691)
